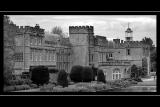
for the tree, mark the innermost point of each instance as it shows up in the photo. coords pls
(153, 60)
(101, 76)
(57, 30)
(153, 52)
(148, 41)
(136, 72)
(144, 67)
(62, 78)
(9, 32)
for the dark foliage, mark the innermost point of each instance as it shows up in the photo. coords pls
(138, 79)
(95, 70)
(62, 78)
(137, 72)
(87, 75)
(40, 75)
(53, 70)
(76, 73)
(134, 71)
(101, 76)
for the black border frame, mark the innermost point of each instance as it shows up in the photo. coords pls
(80, 13)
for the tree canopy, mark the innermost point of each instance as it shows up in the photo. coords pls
(8, 41)
(148, 41)
(57, 30)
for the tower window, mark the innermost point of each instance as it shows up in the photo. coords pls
(128, 52)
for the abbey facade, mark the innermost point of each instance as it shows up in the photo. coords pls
(82, 47)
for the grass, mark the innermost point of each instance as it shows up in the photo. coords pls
(147, 83)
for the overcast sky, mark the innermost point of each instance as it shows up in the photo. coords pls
(111, 26)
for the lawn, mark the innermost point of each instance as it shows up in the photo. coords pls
(147, 83)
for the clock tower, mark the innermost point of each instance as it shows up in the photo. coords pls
(129, 34)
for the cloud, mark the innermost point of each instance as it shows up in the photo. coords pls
(138, 19)
(111, 26)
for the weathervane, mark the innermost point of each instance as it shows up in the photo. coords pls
(128, 24)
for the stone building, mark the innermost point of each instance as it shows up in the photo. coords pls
(34, 48)
(82, 47)
(115, 58)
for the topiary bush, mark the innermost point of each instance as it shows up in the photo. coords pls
(87, 74)
(62, 78)
(101, 76)
(40, 75)
(76, 73)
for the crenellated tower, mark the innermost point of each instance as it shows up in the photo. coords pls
(80, 38)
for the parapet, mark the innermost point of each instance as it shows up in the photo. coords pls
(81, 29)
(29, 29)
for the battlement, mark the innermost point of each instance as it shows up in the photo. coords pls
(129, 43)
(81, 29)
(29, 29)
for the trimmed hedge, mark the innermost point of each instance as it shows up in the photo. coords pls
(87, 74)
(101, 76)
(40, 75)
(62, 78)
(53, 70)
(76, 73)
(81, 74)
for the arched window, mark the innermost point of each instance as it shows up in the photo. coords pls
(116, 74)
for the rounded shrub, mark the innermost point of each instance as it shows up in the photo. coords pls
(26, 87)
(33, 86)
(87, 74)
(62, 78)
(40, 75)
(76, 73)
(19, 87)
(138, 79)
(101, 76)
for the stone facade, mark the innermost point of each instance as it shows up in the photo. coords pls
(90, 49)
(82, 47)
(34, 48)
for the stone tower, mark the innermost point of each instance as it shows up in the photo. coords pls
(79, 38)
(129, 34)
